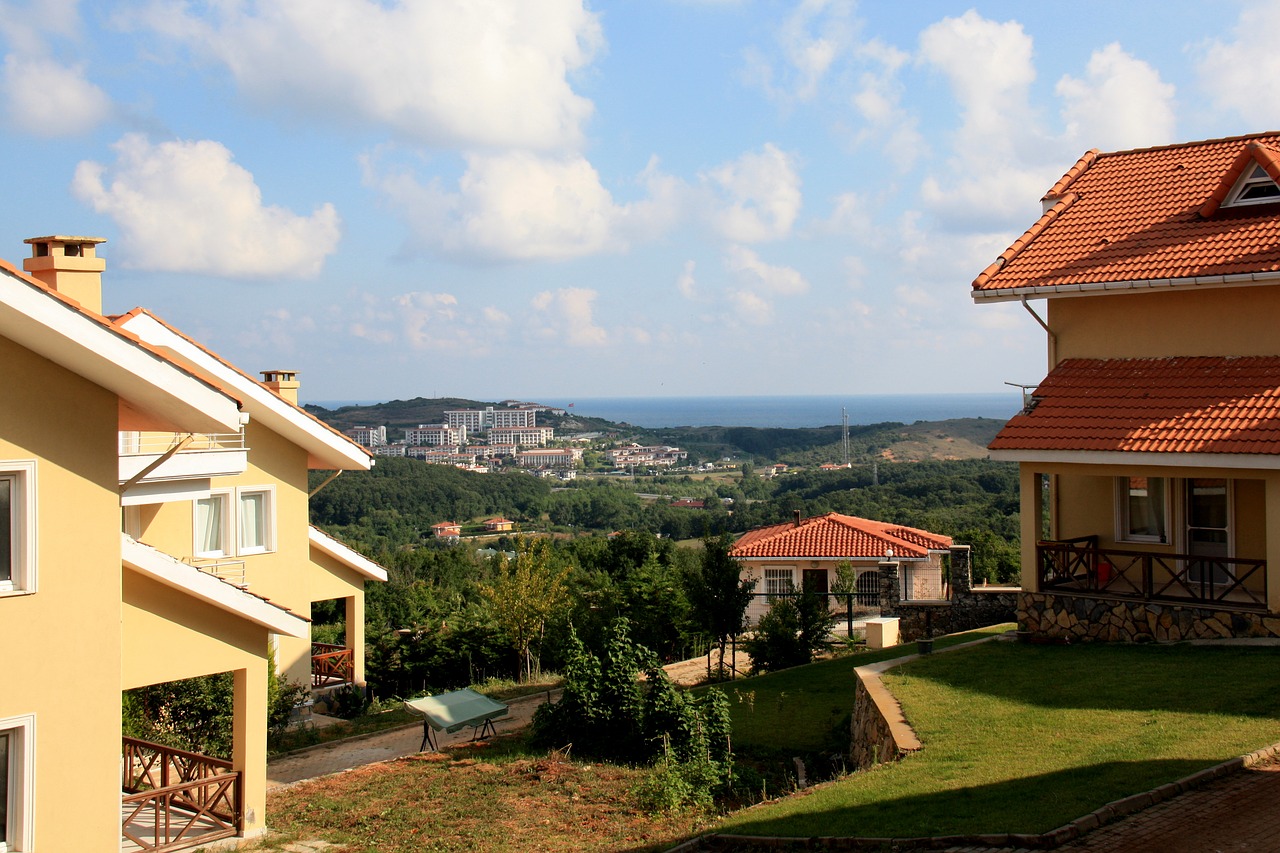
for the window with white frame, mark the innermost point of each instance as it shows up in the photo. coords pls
(17, 527)
(17, 747)
(257, 520)
(1255, 186)
(779, 580)
(1143, 509)
(213, 525)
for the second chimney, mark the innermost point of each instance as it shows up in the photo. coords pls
(283, 382)
(69, 265)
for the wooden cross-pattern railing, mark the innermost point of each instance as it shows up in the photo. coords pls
(182, 798)
(331, 664)
(1080, 565)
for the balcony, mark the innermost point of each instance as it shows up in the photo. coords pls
(1080, 566)
(174, 800)
(231, 571)
(158, 466)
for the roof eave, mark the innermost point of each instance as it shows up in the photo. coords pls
(1132, 459)
(1094, 288)
(346, 555)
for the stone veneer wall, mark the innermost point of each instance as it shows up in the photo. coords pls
(967, 609)
(1082, 618)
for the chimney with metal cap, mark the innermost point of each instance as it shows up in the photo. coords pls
(69, 265)
(283, 382)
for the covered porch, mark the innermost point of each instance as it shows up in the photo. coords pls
(174, 800)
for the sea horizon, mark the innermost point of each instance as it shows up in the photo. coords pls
(789, 412)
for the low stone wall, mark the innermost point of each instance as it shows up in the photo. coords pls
(879, 732)
(977, 608)
(1079, 618)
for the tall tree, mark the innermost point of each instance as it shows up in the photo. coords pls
(718, 596)
(526, 592)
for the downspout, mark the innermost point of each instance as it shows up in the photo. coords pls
(1053, 339)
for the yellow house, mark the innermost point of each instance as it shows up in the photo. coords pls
(252, 527)
(1150, 453)
(101, 424)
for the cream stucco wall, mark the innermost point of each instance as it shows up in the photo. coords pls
(63, 642)
(1210, 321)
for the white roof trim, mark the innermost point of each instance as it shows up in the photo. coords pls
(73, 339)
(169, 571)
(326, 544)
(1091, 288)
(323, 446)
(1246, 461)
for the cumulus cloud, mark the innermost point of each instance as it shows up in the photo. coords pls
(1121, 103)
(45, 98)
(757, 196)
(567, 315)
(451, 73)
(421, 320)
(878, 101)
(187, 206)
(513, 206)
(1231, 72)
(757, 282)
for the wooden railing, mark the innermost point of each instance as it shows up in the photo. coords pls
(331, 664)
(1079, 565)
(176, 799)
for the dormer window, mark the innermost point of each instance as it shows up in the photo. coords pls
(1254, 187)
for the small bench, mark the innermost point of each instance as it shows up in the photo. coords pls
(455, 710)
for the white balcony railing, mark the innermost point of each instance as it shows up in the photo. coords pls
(159, 443)
(231, 571)
(149, 460)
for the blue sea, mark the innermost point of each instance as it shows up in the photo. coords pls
(789, 412)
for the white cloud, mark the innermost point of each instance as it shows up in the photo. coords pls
(44, 98)
(878, 100)
(426, 321)
(758, 196)
(453, 73)
(1122, 103)
(187, 206)
(811, 38)
(757, 283)
(525, 206)
(1233, 73)
(567, 315)
(686, 283)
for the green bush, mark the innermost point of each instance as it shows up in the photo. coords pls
(793, 629)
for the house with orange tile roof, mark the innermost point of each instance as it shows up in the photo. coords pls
(447, 530)
(100, 423)
(803, 554)
(499, 525)
(1150, 452)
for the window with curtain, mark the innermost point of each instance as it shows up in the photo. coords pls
(211, 526)
(1144, 509)
(6, 531)
(255, 522)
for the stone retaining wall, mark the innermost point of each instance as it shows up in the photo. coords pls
(967, 609)
(879, 733)
(1077, 618)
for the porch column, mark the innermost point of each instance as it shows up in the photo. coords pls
(249, 744)
(1273, 542)
(1032, 510)
(961, 572)
(355, 635)
(890, 591)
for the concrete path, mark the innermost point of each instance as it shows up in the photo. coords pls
(394, 743)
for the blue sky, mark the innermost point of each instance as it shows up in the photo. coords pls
(503, 198)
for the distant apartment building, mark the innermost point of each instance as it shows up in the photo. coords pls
(441, 456)
(522, 436)
(436, 435)
(652, 456)
(367, 436)
(477, 420)
(550, 458)
(388, 449)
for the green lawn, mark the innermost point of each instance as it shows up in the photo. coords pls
(1019, 738)
(795, 709)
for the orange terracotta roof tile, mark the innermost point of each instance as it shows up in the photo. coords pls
(1153, 405)
(837, 536)
(1147, 215)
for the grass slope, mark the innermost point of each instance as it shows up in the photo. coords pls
(1025, 738)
